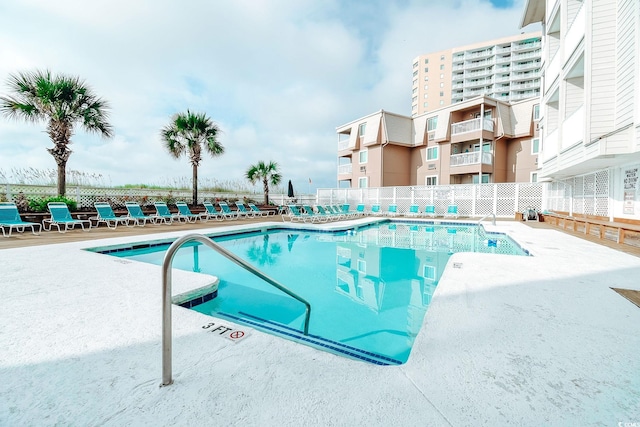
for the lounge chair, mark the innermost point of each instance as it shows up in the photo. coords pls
(227, 212)
(375, 210)
(429, 211)
(313, 216)
(256, 210)
(344, 210)
(106, 215)
(452, 211)
(10, 218)
(164, 214)
(60, 215)
(329, 215)
(243, 211)
(294, 214)
(414, 211)
(140, 218)
(392, 210)
(211, 211)
(185, 213)
(360, 209)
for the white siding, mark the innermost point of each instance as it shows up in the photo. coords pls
(574, 95)
(371, 131)
(603, 36)
(398, 129)
(626, 61)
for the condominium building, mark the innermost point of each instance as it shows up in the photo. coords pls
(590, 103)
(481, 140)
(507, 69)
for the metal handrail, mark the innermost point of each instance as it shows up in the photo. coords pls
(486, 216)
(166, 293)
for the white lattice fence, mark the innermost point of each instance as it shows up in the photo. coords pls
(582, 195)
(472, 200)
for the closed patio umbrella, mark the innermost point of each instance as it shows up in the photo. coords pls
(290, 190)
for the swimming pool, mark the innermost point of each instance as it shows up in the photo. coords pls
(369, 287)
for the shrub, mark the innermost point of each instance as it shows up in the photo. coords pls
(40, 204)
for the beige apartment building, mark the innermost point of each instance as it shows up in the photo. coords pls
(507, 69)
(481, 140)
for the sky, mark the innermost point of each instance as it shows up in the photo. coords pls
(277, 76)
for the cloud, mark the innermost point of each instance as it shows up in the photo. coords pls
(277, 76)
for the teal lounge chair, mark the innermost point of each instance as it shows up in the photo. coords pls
(414, 211)
(227, 212)
(140, 218)
(429, 211)
(257, 210)
(392, 210)
(360, 209)
(185, 213)
(10, 218)
(329, 215)
(106, 215)
(313, 216)
(164, 214)
(375, 210)
(294, 214)
(243, 211)
(211, 211)
(452, 212)
(60, 215)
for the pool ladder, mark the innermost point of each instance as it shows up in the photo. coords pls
(487, 216)
(166, 293)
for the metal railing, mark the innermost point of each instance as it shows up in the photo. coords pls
(166, 293)
(473, 158)
(487, 216)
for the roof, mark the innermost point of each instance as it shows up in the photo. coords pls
(534, 11)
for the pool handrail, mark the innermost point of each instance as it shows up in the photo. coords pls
(487, 216)
(166, 293)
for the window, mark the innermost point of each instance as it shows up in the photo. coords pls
(361, 129)
(432, 123)
(485, 178)
(426, 61)
(425, 96)
(535, 146)
(441, 102)
(362, 182)
(363, 156)
(426, 69)
(536, 112)
(432, 153)
(425, 105)
(441, 93)
(441, 76)
(415, 73)
(431, 180)
(442, 66)
(441, 84)
(534, 176)
(426, 78)
(441, 57)
(426, 87)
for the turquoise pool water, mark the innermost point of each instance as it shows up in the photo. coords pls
(369, 288)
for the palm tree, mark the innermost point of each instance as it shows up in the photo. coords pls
(187, 134)
(61, 100)
(268, 172)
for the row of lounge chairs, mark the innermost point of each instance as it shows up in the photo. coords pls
(61, 218)
(306, 213)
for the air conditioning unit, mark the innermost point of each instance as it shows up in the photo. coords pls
(363, 168)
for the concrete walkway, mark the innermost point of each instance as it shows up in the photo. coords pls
(539, 340)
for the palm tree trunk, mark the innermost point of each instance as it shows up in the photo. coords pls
(265, 185)
(62, 178)
(195, 185)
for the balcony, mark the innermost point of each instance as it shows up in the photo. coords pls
(525, 46)
(471, 126)
(343, 145)
(345, 169)
(474, 158)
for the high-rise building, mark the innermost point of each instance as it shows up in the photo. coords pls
(506, 69)
(590, 104)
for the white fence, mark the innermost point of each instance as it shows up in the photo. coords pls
(584, 195)
(86, 196)
(474, 200)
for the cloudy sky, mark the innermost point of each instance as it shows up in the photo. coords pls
(278, 76)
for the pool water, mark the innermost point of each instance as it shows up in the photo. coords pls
(369, 288)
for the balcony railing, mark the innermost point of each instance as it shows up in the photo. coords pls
(524, 46)
(474, 158)
(471, 125)
(342, 169)
(343, 145)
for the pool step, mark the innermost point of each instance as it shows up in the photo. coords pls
(312, 340)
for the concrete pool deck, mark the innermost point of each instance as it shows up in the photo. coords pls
(539, 340)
